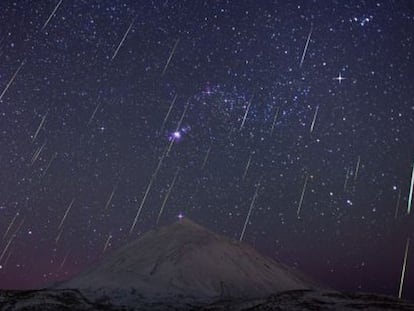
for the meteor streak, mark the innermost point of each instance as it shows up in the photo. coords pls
(110, 197)
(170, 57)
(314, 119)
(11, 81)
(51, 15)
(59, 235)
(410, 197)
(13, 236)
(206, 158)
(142, 204)
(357, 167)
(7, 259)
(154, 175)
(37, 153)
(64, 260)
(306, 47)
(94, 112)
(19, 226)
(10, 225)
(302, 195)
(247, 167)
(246, 113)
(250, 209)
(167, 195)
(6, 247)
(346, 178)
(107, 243)
(274, 120)
(168, 113)
(66, 213)
(407, 245)
(39, 127)
(149, 186)
(53, 157)
(123, 39)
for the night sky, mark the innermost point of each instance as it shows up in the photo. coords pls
(304, 108)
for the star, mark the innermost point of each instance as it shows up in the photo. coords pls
(175, 136)
(339, 78)
(84, 111)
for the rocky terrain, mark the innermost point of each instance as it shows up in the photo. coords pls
(65, 300)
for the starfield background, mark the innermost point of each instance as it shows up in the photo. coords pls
(286, 124)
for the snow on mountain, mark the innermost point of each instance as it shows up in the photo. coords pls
(186, 260)
(186, 267)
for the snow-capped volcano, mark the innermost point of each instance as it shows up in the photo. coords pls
(186, 260)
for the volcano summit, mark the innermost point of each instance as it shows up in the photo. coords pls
(184, 266)
(187, 260)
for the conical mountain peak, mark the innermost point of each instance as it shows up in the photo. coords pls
(185, 259)
(186, 224)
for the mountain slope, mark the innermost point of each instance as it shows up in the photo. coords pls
(185, 259)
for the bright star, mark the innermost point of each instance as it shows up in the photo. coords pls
(175, 136)
(339, 78)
